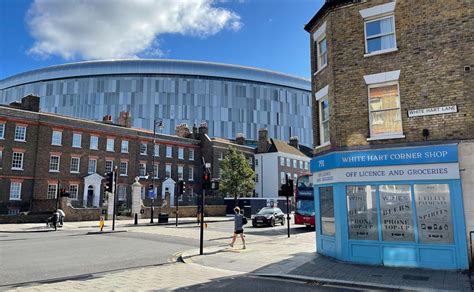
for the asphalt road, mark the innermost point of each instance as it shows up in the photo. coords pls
(52, 256)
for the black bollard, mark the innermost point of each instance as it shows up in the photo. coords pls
(136, 219)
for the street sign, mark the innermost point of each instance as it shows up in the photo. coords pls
(151, 194)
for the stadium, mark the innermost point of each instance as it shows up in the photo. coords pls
(230, 99)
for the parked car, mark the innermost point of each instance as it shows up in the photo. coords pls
(268, 217)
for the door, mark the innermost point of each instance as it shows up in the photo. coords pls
(90, 196)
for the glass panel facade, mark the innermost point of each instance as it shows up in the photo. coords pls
(396, 213)
(326, 203)
(362, 212)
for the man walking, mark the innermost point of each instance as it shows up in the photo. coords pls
(238, 227)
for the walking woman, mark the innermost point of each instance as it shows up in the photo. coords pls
(238, 227)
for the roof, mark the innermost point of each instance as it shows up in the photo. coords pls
(328, 5)
(156, 67)
(281, 146)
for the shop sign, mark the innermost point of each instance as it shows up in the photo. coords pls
(433, 111)
(433, 211)
(396, 213)
(383, 157)
(388, 173)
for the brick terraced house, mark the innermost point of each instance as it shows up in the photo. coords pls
(393, 125)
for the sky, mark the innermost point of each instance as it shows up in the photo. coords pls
(266, 34)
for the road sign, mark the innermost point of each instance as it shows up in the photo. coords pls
(151, 194)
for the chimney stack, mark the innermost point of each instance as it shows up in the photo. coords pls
(107, 119)
(182, 130)
(203, 128)
(31, 103)
(240, 139)
(294, 142)
(263, 142)
(125, 119)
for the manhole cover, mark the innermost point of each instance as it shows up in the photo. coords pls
(415, 278)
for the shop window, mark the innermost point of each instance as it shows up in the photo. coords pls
(396, 213)
(326, 203)
(433, 212)
(362, 212)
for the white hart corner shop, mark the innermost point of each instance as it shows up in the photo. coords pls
(392, 206)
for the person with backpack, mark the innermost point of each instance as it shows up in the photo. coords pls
(239, 222)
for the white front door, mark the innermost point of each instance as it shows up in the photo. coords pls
(91, 196)
(168, 187)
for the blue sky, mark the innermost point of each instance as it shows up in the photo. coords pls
(260, 33)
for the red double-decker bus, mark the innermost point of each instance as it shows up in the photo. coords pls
(304, 199)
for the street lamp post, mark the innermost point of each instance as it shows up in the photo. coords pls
(160, 125)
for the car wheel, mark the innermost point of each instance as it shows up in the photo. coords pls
(254, 225)
(272, 223)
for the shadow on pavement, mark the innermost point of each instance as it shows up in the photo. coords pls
(28, 231)
(271, 231)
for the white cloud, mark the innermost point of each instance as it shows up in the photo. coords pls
(103, 29)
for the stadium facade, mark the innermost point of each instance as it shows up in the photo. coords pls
(231, 99)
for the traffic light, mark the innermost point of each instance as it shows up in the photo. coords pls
(109, 182)
(287, 189)
(206, 180)
(181, 186)
(62, 192)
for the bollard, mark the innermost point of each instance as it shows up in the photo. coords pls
(136, 219)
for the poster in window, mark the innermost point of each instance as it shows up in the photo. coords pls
(433, 210)
(362, 212)
(396, 213)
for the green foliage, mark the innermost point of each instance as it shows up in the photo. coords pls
(237, 176)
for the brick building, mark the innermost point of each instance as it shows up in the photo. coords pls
(393, 122)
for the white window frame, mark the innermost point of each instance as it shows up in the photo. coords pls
(295, 163)
(180, 153)
(126, 168)
(288, 162)
(51, 168)
(169, 169)
(2, 131)
(319, 56)
(16, 195)
(282, 161)
(301, 164)
(124, 146)
(282, 177)
(89, 171)
(71, 170)
(74, 195)
(122, 193)
(112, 144)
(322, 141)
(180, 172)
(191, 154)
(378, 13)
(156, 150)
(169, 151)
(143, 148)
(49, 193)
(94, 145)
(20, 139)
(22, 156)
(57, 138)
(76, 140)
(395, 135)
(191, 173)
(111, 167)
(142, 170)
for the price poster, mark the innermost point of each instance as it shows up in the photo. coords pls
(396, 213)
(362, 212)
(433, 209)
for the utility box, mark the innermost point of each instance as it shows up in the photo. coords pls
(163, 218)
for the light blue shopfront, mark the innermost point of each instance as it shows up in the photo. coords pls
(395, 206)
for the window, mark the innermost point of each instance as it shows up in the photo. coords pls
(322, 53)
(256, 161)
(324, 120)
(75, 162)
(326, 204)
(20, 133)
(109, 165)
(157, 150)
(306, 165)
(191, 154)
(52, 191)
(256, 177)
(362, 207)
(180, 153)
(56, 138)
(15, 191)
(73, 191)
(123, 168)
(12, 211)
(2, 131)
(142, 170)
(143, 148)
(180, 173)
(301, 164)
(380, 35)
(251, 161)
(191, 173)
(94, 143)
(396, 213)
(295, 177)
(110, 144)
(1, 159)
(122, 193)
(54, 163)
(295, 163)
(17, 161)
(220, 156)
(155, 170)
(288, 162)
(76, 140)
(384, 110)
(123, 147)
(169, 150)
(282, 161)
(168, 170)
(282, 178)
(92, 166)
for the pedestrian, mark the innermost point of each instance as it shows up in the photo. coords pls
(238, 227)
(62, 215)
(55, 219)
(101, 223)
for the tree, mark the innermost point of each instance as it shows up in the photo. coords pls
(237, 176)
